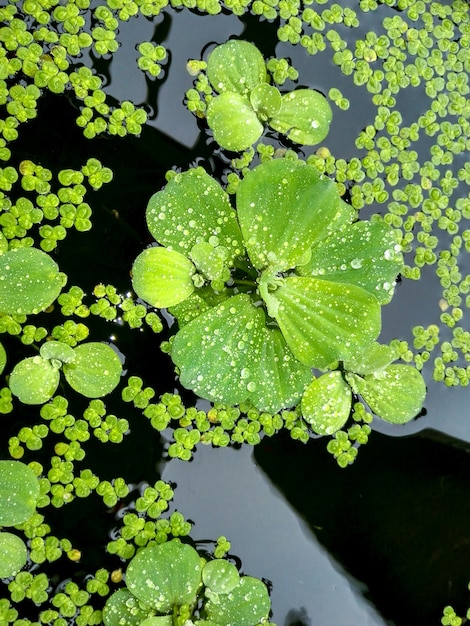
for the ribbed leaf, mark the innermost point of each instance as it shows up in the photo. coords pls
(396, 395)
(364, 254)
(323, 321)
(193, 207)
(283, 209)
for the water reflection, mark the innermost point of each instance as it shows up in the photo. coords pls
(398, 519)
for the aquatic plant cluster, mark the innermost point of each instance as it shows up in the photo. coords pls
(275, 273)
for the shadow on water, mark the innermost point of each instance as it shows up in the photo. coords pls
(397, 520)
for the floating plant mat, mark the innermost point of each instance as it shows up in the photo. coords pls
(107, 108)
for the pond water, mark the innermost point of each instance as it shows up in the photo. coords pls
(385, 541)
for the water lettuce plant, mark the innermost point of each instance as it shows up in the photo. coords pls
(245, 101)
(172, 585)
(286, 283)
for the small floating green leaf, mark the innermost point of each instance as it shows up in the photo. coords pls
(34, 380)
(3, 358)
(162, 277)
(305, 117)
(96, 370)
(234, 123)
(266, 101)
(396, 394)
(165, 575)
(19, 491)
(326, 403)
(374, 359)
(30, 281)
(57, 350)
(220, 576)
(236, 66)
(13, 554)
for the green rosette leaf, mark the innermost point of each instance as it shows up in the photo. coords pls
(158, 620)
(326, 403)
(228, 355)
(193, 207)
(305, 117)
(220, 576)
(234, 123)
(364, 254)
(164, 576)
(236, 66)
(123, 609)
(374, 359)
(323, 321)
(19, 491)
(162, 277)
(283, 209)
(396, 394)
(13, 554)
(96, 370)
(57, 350)
(30, 281)
(34, 380)
(266, 100)
(247, 604)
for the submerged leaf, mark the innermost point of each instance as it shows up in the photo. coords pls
(234, 123)
(165, 575)
(283, 209)
(396, 394)
(96, 370)
(305, 117)
(34, 380)
(227, 354)
(364, 254)
(326, 403)
(193, 207)
(236, 66)
(323, 321)
(162, 277)
(30, 281)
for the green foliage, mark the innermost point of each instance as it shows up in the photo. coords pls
(244, 100)
(171, 580)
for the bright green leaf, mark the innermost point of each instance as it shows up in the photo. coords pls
(234, 123)
(96, 370)
(165, 575)
(30, 281)
(19, 491)
(246, 605)
(266, 101)
(34, 380)
(220, 576)
(283, 209)
(3, 358)
(364, 254)
(13, 554)
(396, 394)
(323, 321)
(326, 403)
(57, 350)
(193, 207)
(236, 66)
(305, 117)
(162, 277)
(374, 359)
(123, 609)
